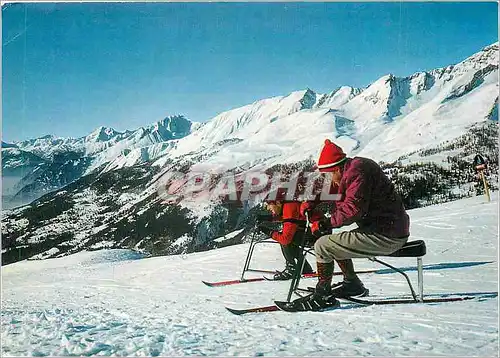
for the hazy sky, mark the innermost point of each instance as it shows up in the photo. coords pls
(71, 67)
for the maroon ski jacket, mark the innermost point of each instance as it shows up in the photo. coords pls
(369, 200)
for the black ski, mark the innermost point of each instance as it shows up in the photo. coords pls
(288, 307)
(284, 306)
(397, 301)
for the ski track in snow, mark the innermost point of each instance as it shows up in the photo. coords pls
(112, 302)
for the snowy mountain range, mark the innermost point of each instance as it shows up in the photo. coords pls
(103, 187)
(36, 166)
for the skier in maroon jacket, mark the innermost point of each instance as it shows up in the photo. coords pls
(369, 199)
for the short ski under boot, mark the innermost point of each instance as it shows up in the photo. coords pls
(286, 274)
(321, 299)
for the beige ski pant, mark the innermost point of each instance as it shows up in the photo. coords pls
(355, 244)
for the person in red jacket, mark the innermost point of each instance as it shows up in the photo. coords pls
(294, 223)
(369, 199)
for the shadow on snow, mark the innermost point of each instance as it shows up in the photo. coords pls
(440, 266)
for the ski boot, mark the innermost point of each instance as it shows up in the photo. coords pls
(350, 288)
(321, 299)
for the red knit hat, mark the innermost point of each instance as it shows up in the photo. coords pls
(331, 156)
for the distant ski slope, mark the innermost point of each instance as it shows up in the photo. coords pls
(114, 302)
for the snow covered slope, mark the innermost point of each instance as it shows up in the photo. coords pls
(115, 302)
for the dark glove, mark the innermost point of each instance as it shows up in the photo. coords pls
(320, 228)
(265, 230)
(264, 217)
